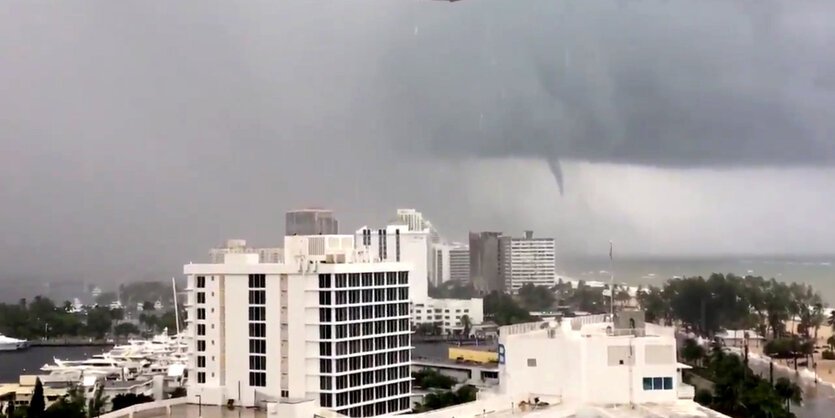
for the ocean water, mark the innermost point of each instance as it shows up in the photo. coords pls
(818, 271)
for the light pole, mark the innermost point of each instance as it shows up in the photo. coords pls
(199, 406)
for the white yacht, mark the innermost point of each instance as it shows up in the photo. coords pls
(12, 344)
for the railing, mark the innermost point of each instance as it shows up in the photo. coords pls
(520, 328)
(577, 323)
(148, 406)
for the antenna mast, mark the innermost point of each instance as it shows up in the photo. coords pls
(176, 308)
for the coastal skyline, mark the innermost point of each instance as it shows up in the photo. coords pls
(135, 136)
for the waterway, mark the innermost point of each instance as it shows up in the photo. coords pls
(29, 361)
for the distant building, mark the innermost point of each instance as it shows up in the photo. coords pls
(449, 262)
(238, 246)
(310, 222)
(527, 260)
(412, 219)
(448, 313)
(485, 261)
(459, 263)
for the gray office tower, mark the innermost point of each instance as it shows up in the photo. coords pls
(485, 262)
(310, 222)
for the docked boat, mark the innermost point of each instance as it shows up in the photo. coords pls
(12, 344)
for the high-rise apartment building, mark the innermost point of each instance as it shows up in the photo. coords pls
(459, 263)
(326, 324)
(310, 222)
(397, 243)
(485, 263)
(527, 260)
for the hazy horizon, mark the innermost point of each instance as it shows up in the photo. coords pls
(137, 135)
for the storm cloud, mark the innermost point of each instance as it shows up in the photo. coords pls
(659, 83)
(136, 134)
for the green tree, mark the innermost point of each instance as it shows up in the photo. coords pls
(789, 391)
(125, 328)
(467, 324)
(692, 352)
(95, 406)
(98, 322)
(36, 405)
(536, 298)
(147, 306)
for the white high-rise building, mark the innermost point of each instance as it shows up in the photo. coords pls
(326, 324)
(527, 260)
(439, 264)
(412, 219)
(396, 243)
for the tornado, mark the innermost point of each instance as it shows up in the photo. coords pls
(556, 171)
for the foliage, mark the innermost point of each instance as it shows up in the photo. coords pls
(504, 310)
(467, 324)
(536, 298)
(739, 393)
(124, 400)
(96, 405)
(704, 397)
(828, 355)
(125, 328)
(466, 393)
(156, 321)
(734, 302)
(453, 290)
(429, 378)
(692, 352)
(433, 328)
(36, 405)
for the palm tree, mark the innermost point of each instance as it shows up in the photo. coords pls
(831, 342)
(831, 320)
(467, 324)
(817, 318)
(788, 391)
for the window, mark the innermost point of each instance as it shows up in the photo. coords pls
(201, 313)
(201, 361)
(257, 363)
(285, 393)
(258, 346)
(201, 282)
(257, 281)
(257, 297)
(258, 330)
(201, 329)
(201, 297)
(201, 345)
(201, 377)
(531, 362)
(658, 383)
(257, 313)
(257, 379)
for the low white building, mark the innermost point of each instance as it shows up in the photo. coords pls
(593, 361)
(448, 313)
(327, 325)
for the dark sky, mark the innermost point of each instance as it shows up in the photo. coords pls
(135, 135)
